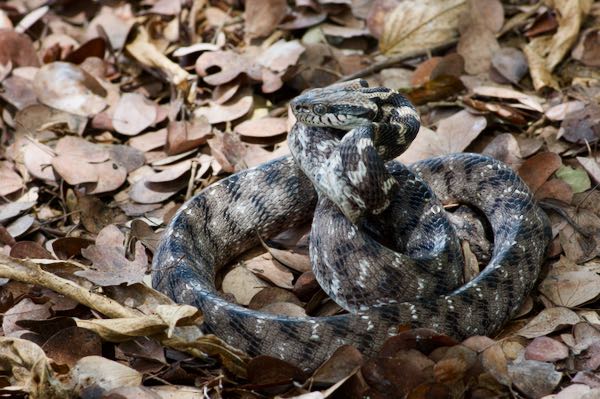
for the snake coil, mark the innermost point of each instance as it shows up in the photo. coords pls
(381, 245)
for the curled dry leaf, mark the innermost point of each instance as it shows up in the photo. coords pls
(232, 110)
(454, 134)
(133, 114)
(69, 88)
(529, 101)
(144, 51)
(417, 25)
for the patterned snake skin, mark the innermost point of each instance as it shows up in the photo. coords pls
(381, 244)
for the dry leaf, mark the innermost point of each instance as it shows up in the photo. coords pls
(133, 113)
(546, 349)
(547, 321)
(262, 16)
(242, 284)
(454, 134)
(111, 267)
(417, 25)
(217, 113)
(69, 88)
(103, 374)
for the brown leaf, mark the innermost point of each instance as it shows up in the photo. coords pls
(18, 92)
(183, 136)
(149, 141)
(217, 113)
(546, 349)
(111, 267)
(582, 126)
(494, 362)
(415, 25)
(510, 63)
(17, 49)
(270, 295)
(560, 111)
(26, 309)
(69, 88)
(571, 285)
(29, 250)
(547, 321)
(262, 128)
(306, 286)
(537, 169)
(477, 45)
(505, 148)
(71, 344)
(588, 50)
(11, 180)
(274, 373)
(344, 362)
(133, 113)
(269, 269)
(557, 189)
(263, 16)
(38, 159)
(454, 134)
(535, 379)
(242, 284)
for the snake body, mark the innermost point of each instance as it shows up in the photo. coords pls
(381, 245)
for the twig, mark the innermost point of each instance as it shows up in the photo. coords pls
(378, 66)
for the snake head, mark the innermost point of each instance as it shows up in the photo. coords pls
(337, 107)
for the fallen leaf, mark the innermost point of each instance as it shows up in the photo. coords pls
(17, 48)
(560, 111)
(537, 169)
(454, 134)
(263, 16)
(582, 126)
(69, 88)
(267, 268)
(535, 379)
(69, 345)
(242, 284)
(262, 128)
(577, 178)
(510, 63)
(417, 25)
(103, 374)
(546, 349)
(111, 267)
(217, 113)
(591, 166)
(186, 135)
(133, 113)
(588, 50)
(547, 321)
(270, 295)
(26, 309)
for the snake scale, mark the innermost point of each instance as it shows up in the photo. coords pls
(381, 244)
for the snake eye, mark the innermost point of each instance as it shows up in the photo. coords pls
(319, 109)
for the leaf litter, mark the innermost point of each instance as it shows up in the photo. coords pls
(111, 119)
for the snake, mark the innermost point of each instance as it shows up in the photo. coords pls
(381, 244)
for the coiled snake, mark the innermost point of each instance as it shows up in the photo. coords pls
(381, 244)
